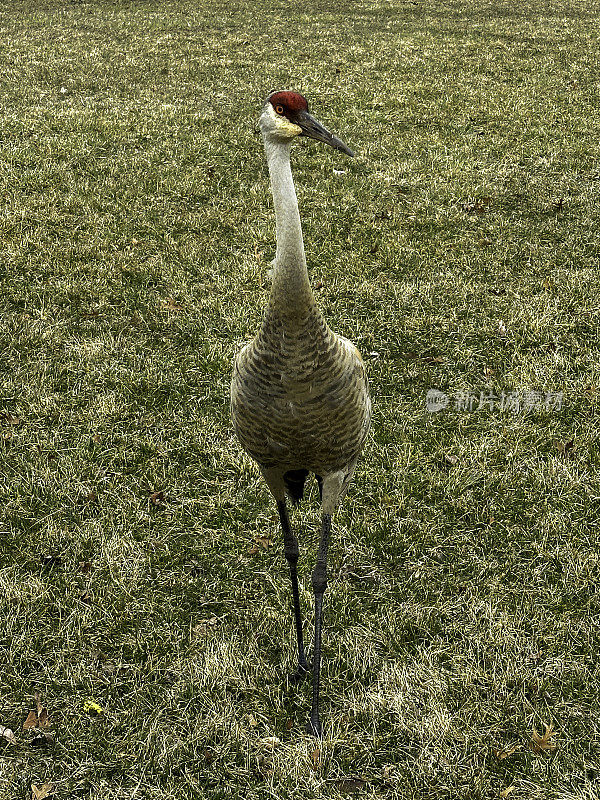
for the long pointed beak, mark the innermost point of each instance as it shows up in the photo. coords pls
(312, 128)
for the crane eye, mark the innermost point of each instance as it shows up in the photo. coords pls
(279, 109)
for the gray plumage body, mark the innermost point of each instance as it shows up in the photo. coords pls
(300, 399)
(299, 393)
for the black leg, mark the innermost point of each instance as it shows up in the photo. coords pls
(290, 544)
(319, 582)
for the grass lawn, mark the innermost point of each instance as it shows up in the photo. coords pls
(141, 564)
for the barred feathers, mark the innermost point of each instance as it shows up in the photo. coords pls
(299, 397)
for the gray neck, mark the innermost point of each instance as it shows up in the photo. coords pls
(291, 294)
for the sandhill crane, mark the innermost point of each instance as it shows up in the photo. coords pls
(299, 393)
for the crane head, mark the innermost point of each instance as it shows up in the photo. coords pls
(285, 116)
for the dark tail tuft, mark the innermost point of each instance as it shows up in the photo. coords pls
(294, 480)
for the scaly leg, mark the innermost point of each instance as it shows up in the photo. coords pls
(290, 544)
(319, 582)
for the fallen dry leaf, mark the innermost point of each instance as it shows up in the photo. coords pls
(6, 733)
(564, 448)
(172, 305)
(427, 359)
(93, 312)
(41, 792)
(270, 742)
(542, 744)
(37, 718)
(203, 624)
(505, 752)
(479, 205)
(507, 791)
(31, 721)
(264, 541)
(349, 784)
(10, 419)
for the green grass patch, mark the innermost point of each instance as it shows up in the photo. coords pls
(459, 251)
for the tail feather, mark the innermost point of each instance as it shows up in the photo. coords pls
(294, 480)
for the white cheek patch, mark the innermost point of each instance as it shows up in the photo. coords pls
(282, 125)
